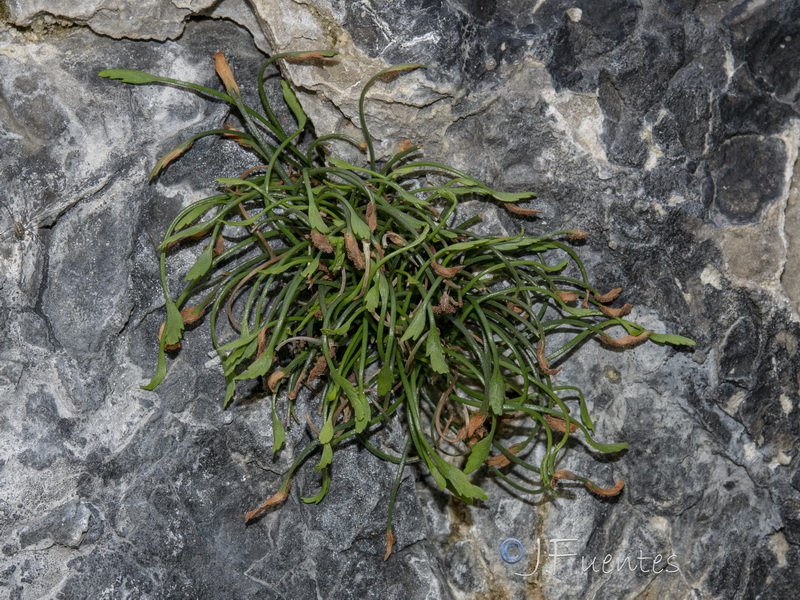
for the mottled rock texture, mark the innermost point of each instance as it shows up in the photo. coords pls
(669, 131)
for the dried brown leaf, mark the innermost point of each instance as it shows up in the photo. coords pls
(389, 544)
(274, 378)
(480, 433)
(514, 307)
(519, 210)
(560, 425)
(173, 155)
(542, 360)
(498, 461)
(501, 460)
(446, 305)
(234, 135)
(562, 474)
(609, 296)
(446, 272)
(395, 238)
(261, 341)
(353, 251)
(191, 314)
(318, 369)
(321, 242)
(627, 340)
(476, 420)
(276, 498)
(606, 492)
(565, 474)
(615, 312)
(567, 296)
(219, 246)
(406, 145)
(224, 71)
(372, 217)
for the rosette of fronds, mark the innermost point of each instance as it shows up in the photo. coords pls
(359, 283)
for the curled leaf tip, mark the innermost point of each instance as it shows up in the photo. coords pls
(236, 135)
(627, 340)
(371, 217)
(389, 74)
(608, 296)
(406, 145)
(616, 312)
(564, 474)
(542, 360)
(501, 460)
(353, 251)
(560, 425)
(169, 157)
(310, 55)
(224, 71)
(475, 422)
(192, 314)
(606, 492)
(219, 246)
(394, 238)
(273, 500)
(519, 210)
(389, 544)
(577, 235)
(445, 272)
(274, 378)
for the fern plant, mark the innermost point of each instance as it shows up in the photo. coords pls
(358, 283)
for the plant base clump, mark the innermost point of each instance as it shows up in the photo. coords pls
(357, 283)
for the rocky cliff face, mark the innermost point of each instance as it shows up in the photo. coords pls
(668, 131)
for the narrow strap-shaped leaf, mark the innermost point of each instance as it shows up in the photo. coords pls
(278, 432)
(326, 484)
(396, 69)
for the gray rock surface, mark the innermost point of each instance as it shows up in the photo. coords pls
(667, 131)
